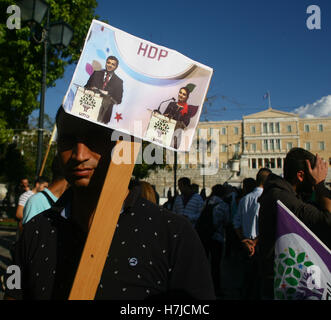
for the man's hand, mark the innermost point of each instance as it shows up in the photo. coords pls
(320, 170)
(249, 245)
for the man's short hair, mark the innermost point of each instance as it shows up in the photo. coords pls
(57, 169)
(262, 176)
(295, 161)
(249, 184)
(185, 181)
(113, 58)
(40, 180)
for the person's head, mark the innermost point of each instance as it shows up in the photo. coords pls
(218, 190)
(147, 191)
(262, 176)
(111, 63)
(24, 184)
(249, 184)
(183, 94)
(57, 170)
(195, 187)
(84, 149)
(184, 185)
(40, 184)
(296, 169)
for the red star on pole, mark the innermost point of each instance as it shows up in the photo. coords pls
(118, 116)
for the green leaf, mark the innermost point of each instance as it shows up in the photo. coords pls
(281, 269)
(292, 253)
(308, 263)
(301, 257)
(277, 282)
(288, 270)
(282, 255)
(292, 281)
(290, 291)
(296, 273)
(289, 262)
(279, 295)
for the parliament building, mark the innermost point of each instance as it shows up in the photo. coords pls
(237, 149)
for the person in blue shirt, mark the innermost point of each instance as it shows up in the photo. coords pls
(246, 227)
(45, 199)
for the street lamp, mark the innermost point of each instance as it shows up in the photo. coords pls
(57, 34)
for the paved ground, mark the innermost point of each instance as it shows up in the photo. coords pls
(231, 268)
(7, 237)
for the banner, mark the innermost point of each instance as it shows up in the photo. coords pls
(302, 261)
(123, 82)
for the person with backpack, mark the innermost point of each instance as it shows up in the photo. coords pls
(210, 227)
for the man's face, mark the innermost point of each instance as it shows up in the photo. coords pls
(84, 150)
(24, 184)
(41, 186)
(111, 65)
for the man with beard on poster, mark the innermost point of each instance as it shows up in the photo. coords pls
(109, 85)
(305, 174)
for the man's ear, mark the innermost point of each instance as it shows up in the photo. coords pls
(300, 175)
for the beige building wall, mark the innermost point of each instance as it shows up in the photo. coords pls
(260, 139)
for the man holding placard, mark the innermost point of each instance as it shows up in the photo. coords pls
(153, 254)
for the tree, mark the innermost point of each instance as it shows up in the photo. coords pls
(20, 60)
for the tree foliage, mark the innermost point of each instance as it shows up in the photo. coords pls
(21, 56)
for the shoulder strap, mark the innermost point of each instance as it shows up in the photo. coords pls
(50, 200)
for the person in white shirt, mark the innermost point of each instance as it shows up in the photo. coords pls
(246, 227)
(39, 185)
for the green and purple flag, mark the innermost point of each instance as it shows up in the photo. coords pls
(302, 262)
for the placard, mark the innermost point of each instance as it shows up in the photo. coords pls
(128, 77)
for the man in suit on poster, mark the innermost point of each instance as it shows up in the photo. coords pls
(109, 85)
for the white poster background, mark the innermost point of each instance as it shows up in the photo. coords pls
(150, 74)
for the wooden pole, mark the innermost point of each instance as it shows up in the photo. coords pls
(46, 155)
(113, 194)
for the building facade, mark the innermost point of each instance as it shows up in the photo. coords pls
(234, 150)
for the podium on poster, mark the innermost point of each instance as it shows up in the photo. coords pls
(87, 103)
(160, 128)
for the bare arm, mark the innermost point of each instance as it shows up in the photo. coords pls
(19, 212)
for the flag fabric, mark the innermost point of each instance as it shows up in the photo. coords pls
(302, 262)
(266, 95)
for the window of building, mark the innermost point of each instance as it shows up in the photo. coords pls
(277, 127)
(271, 127)
(253, 163)
(265, 128)
(320, 128)
(306, 128)
(289, 128)
(237, 147)
(265, 145)
(289, 146)
(307, 146)
(223, 131)
(253, 147)
(223, 148)
(278, 147)
(321, 145)
(272, 144)
(236, 130)
(253, 129)
(279, 162)
(272, 163)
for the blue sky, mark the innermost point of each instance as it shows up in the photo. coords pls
(252, 45)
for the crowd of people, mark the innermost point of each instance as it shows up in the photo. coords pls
(174, 250)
